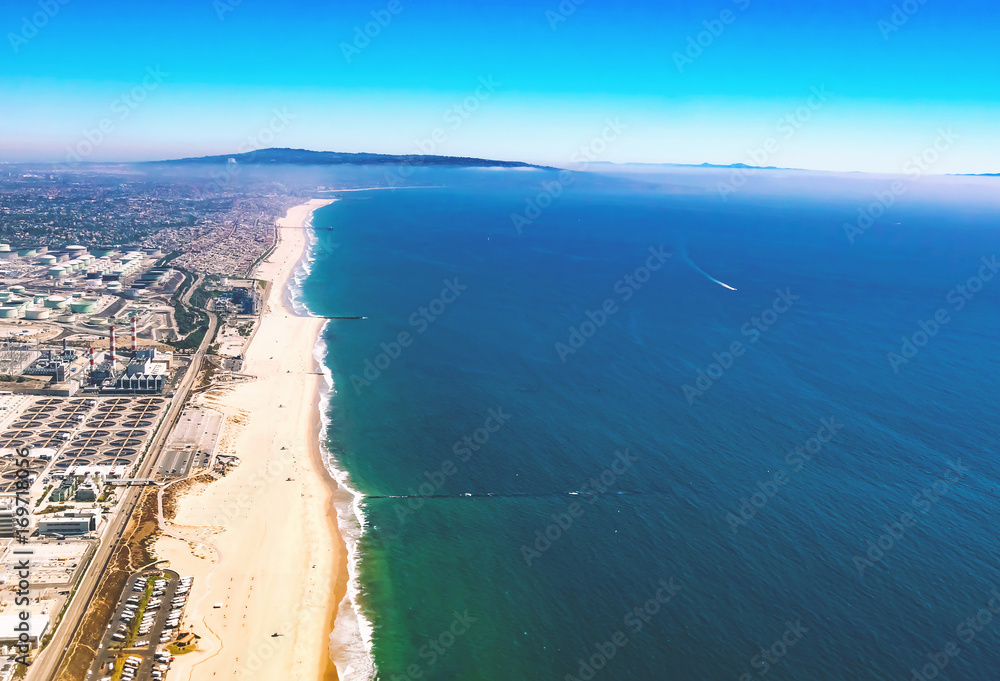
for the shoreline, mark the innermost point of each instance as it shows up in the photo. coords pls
(340, 577)
(281, 561)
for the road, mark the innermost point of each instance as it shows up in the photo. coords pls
(50, 659)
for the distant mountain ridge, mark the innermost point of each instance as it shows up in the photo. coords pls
(306, 157)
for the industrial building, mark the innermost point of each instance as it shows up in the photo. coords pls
(145, 372)
(70, 523)
(38, 624)
(8, 512)
(141, 376)
(246, 300)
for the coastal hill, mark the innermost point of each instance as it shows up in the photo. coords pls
(306, 157)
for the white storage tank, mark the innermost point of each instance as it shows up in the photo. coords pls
(37, 313)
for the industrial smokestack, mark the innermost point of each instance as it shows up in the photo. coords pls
(92, 360)
(113, 357)
(135, 347)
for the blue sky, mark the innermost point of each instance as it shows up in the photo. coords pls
(226, 72)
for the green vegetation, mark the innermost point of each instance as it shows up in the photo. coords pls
(187, 319)
(200, 298)
(45, 495)
(162, 262)
(54, 509)
(192, 321)
(7, 378)
(191, 341)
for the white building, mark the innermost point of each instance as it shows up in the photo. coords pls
(37, 626)
(7, 514)
(70, 523)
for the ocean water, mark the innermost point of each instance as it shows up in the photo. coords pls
(540, 496)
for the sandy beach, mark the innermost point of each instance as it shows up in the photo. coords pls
(266, 542)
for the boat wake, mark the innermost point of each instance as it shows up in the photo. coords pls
(686, 258)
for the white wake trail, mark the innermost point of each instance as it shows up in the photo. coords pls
(687, 259)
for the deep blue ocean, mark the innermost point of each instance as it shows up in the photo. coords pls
(584, 455)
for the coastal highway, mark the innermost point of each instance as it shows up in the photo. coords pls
(51, 658)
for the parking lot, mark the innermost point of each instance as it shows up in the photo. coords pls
(192, 442)
(144, 623)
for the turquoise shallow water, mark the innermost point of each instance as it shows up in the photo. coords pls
(521, 508)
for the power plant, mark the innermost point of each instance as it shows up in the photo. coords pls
(143, 372)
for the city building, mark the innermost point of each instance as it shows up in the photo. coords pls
(7, 515)
(65, 490)
(38, 624)
(246, 300)
(70, 523)
(87, 491)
